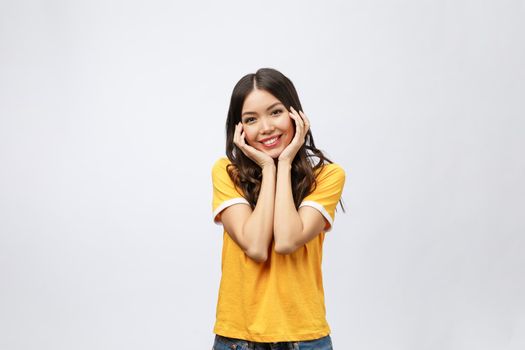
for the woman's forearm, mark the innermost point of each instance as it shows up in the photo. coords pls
(287, 225)
(258, 228)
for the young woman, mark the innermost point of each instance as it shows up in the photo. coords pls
(275, 195)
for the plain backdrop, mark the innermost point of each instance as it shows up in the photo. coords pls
(112, 114)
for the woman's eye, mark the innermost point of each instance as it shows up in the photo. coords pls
(249, 120)
(277, 112)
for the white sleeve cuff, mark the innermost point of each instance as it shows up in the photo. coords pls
(322, 210)
(225, 205)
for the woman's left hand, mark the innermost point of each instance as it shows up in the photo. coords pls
(302, 125)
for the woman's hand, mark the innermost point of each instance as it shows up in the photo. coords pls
(261, 158)
(302, 125)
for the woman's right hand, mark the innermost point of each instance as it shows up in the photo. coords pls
(261, 158)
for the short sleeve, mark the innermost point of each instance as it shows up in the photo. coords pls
(330, 183)
(225, 193)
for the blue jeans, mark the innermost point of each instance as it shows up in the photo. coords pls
(224, 343)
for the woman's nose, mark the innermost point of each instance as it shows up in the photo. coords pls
(266, 125)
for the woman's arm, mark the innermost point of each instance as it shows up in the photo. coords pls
(292, 228)
(252, 230)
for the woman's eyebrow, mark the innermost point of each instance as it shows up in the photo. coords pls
(273, 105)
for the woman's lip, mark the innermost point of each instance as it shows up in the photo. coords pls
(276, 143)
(269, 138)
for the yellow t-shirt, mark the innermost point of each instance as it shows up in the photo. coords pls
(281, 299)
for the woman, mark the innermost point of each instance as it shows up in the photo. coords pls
(275, 195)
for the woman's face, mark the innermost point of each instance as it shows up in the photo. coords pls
(266, 123)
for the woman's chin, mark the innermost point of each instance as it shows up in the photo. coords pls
(275, 154)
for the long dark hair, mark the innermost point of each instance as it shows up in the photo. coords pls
(245, 173)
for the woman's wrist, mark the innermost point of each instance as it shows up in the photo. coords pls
(268, 167)
(284, 164)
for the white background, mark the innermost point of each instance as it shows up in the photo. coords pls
(112, 114)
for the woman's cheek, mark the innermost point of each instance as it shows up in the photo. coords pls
(289, 138)
(249, 137)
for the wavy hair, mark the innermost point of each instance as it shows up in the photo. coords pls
(244, 172)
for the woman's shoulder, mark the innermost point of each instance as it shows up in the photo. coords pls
(220, 167)
(221, 162)
(330, 169)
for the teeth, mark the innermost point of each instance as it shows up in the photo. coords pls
(270, 141)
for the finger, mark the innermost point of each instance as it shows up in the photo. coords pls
(293, 111)
(302, 129)
(298, 114)
(306, 121)
(303, 116)
(295, 118)
(247, 149)
(298, 130)
(243, 138)
(243, 146)
(299, 120)
(236, 135)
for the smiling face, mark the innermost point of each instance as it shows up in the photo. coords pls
(266, 123)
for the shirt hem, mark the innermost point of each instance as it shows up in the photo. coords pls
(226, 204)
(271, 338)
(323, 212)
